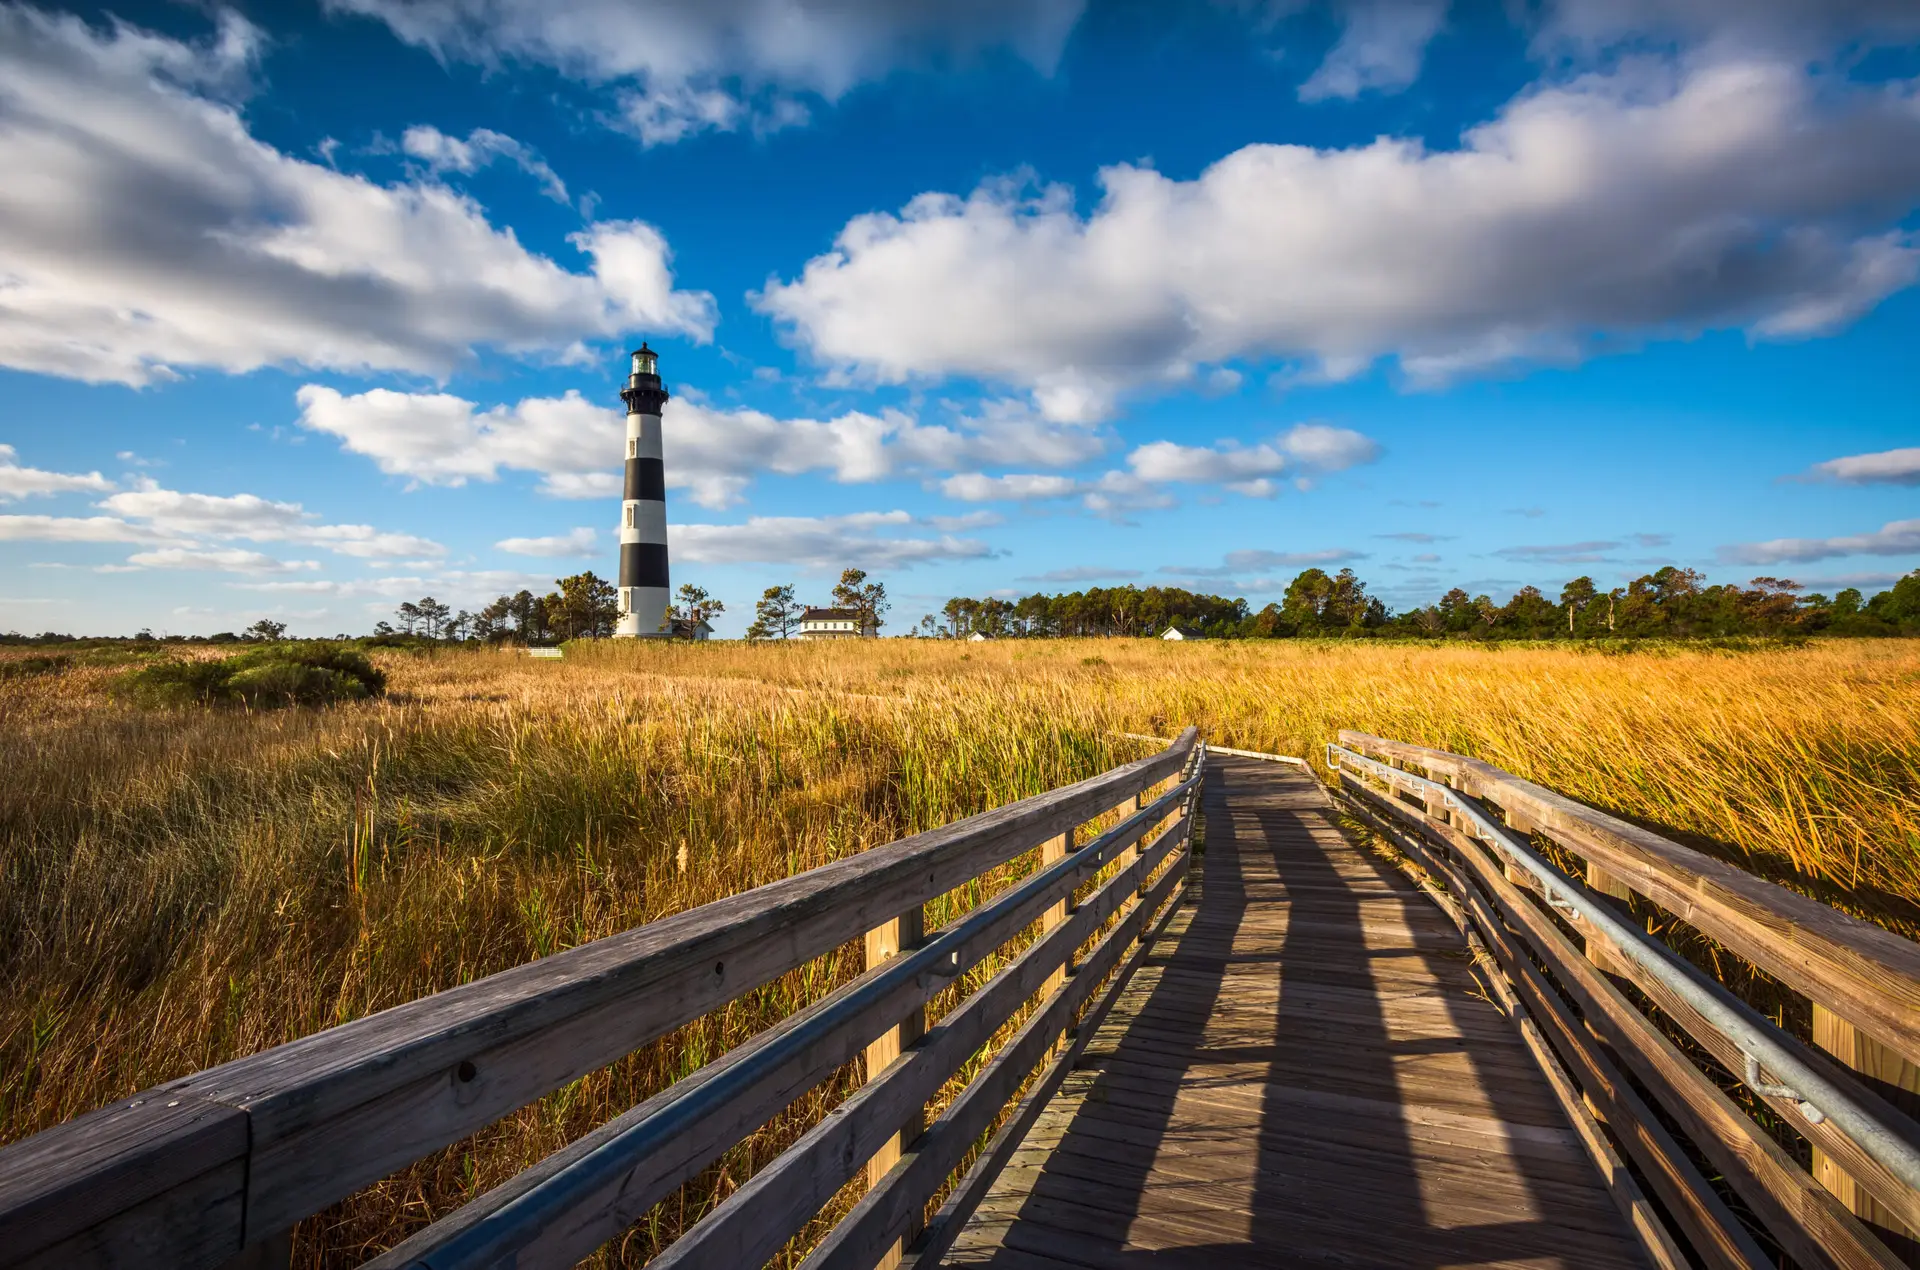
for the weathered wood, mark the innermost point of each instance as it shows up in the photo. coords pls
(848, 1246)
(1302, 1072)
(57, 1186)
(1862, 972)
(332, 1112)
(1896, 1213)
(1601, 882)
(1808, 1222)
(574, 1200)
(782, 1197)
(1052, 850)
(1713, 1231)
(884, 942)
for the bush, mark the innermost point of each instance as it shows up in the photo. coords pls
(281, 675)
(30, 667)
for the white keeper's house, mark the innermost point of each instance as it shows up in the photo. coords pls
(836, 624)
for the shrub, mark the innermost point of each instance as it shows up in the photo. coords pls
(281, 675)
(29, 667)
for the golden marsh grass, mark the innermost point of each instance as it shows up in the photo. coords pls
(180, 888)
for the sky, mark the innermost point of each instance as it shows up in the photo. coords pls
(309, 308)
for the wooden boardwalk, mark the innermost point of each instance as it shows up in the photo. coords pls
(1303, 1072)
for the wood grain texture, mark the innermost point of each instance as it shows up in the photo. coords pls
(1301, 1071)
(884, 942)
(1862, 972)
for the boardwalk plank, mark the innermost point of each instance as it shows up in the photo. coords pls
(1303, 1073)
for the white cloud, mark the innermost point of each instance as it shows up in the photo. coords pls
(1654, 200)
(1380, 48)
(21, 482)
(575, 445)
(977, 487)
(442, 153)
(1244, 469)
(1895, 538)
(859, 540)
(1329, 449)
(688, 66)
(1237, 467)
(70, 529)
(171, 513)
(145, 231)
(1886, 467)
(229, 560)
(575, 542)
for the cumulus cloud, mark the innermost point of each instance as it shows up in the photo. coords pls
(1895, 538)
(1656, 199)
(1886, 467)
(146, 231)
(23, 482)
(172, 513)
(681, 68)
(225, 560)
(70, 529)
(977, 487)
(574, 543)
(1244, 469)
(575, 445)
(1380, 47)
(442, 153)
(860, 539)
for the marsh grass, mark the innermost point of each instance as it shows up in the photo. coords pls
(182, 886)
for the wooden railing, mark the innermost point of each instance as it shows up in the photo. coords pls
(1716, 1106)
(215, 1169)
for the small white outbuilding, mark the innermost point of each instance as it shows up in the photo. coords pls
(1181, 632)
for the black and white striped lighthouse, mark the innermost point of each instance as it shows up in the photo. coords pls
(643, 507)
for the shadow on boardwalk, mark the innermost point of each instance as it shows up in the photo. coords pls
(1303, 1073)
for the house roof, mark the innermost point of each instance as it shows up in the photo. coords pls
(830, 615)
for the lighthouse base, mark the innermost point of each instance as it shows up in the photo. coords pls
(644, 614)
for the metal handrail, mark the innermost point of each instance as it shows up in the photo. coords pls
(1819, 1098)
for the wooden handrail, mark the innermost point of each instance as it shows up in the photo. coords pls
(1866, 974)
(193, 1172)
(1523, 907)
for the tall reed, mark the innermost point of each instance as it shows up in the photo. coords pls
(182, 887)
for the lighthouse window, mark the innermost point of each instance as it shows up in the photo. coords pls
(630, 511)
(633, 447)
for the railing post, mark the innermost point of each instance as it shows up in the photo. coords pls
(890, 939)
(1601, 882)
(1051, 851)
(1885, 1067)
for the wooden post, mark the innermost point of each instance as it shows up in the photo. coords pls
(1602, 882)
(890, 939)
(1894, 1075)
(1051, 851)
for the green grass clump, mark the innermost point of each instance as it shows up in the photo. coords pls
(281, 675)
(29, 667)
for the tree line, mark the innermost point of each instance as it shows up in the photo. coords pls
(1671, 602)
(584, 606)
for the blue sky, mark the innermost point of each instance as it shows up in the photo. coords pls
(308, 309)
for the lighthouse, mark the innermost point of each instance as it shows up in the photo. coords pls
(643, 506)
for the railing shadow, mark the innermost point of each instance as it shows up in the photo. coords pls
(1255, 1112)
